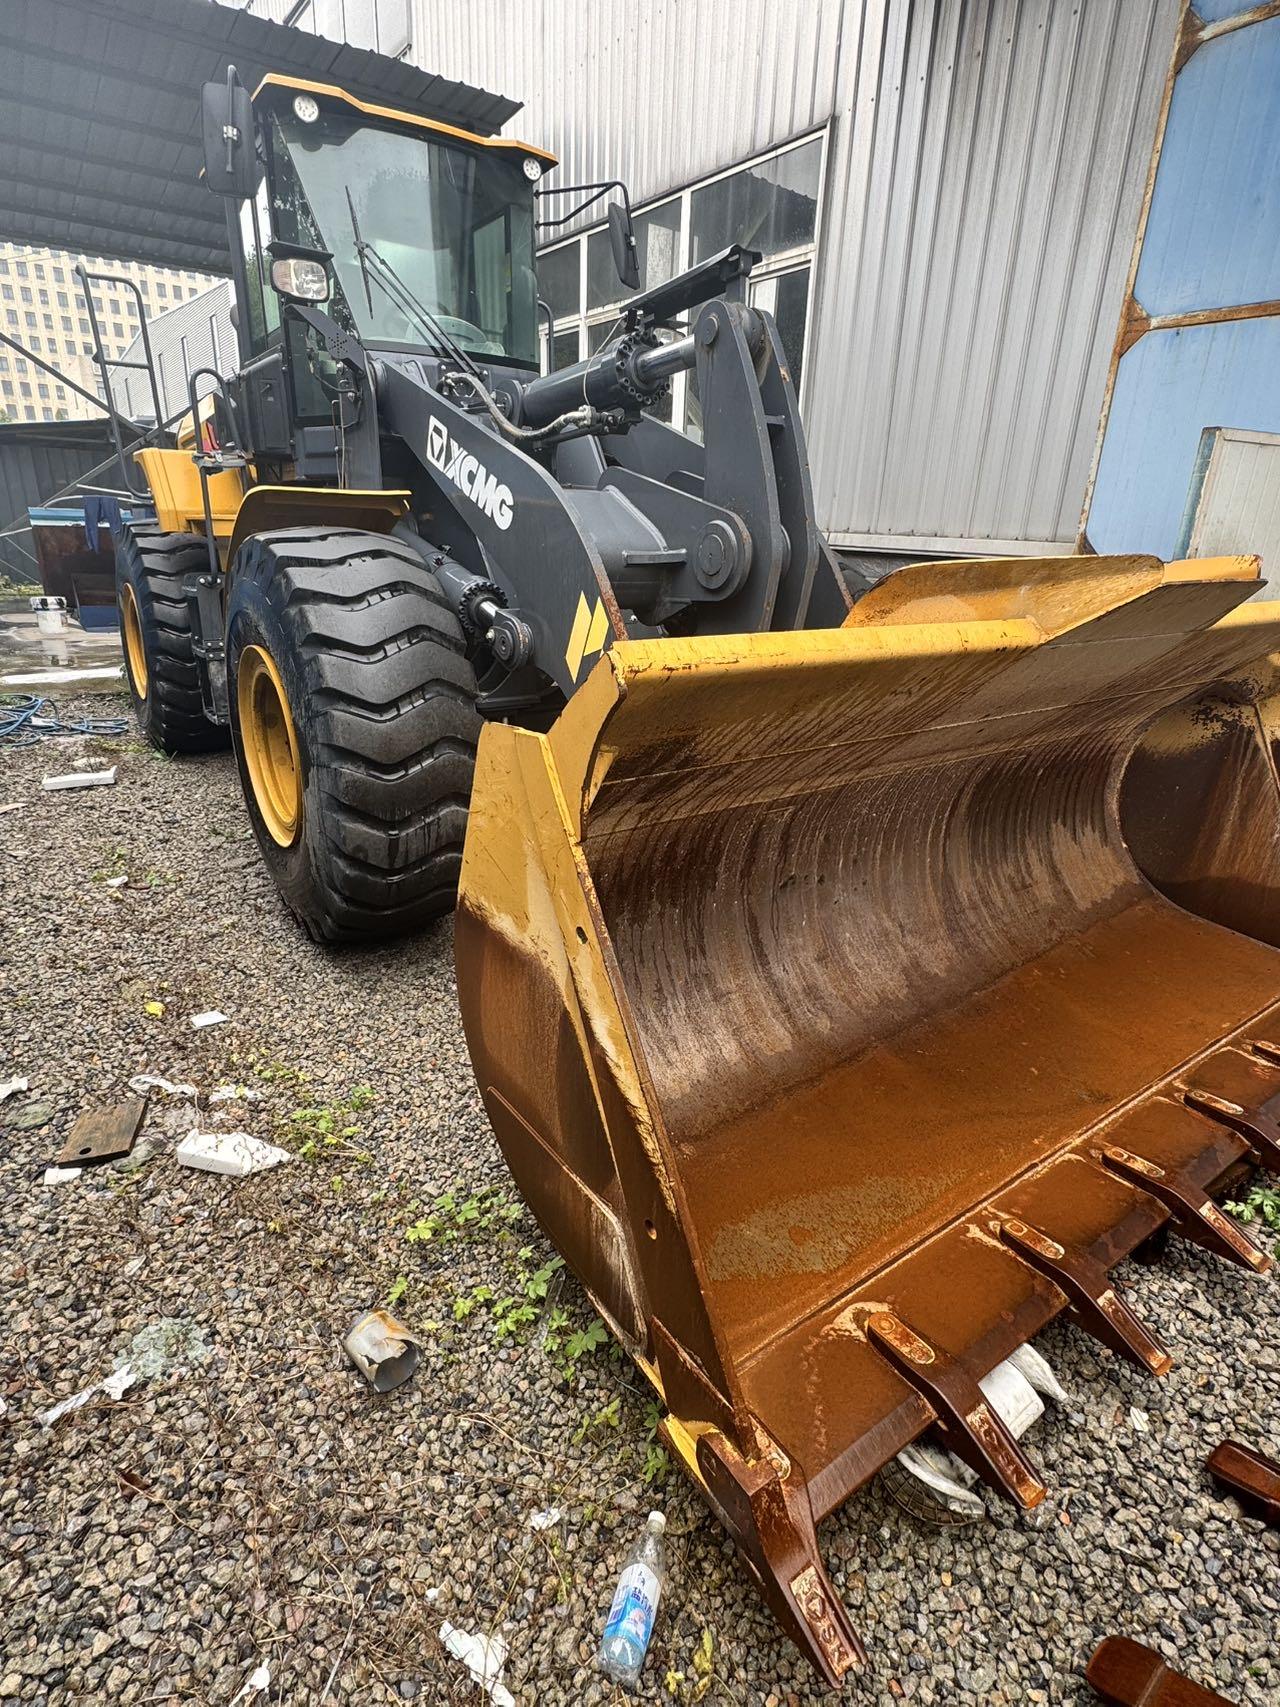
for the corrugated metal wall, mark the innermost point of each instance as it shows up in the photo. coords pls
(984, 181)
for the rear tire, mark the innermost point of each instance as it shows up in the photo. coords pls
(162, 670)
(355, 727)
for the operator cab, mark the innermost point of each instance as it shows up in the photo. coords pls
(399, 229)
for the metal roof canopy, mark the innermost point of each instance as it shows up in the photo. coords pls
(100, 117)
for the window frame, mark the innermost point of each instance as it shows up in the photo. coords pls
(785, 261)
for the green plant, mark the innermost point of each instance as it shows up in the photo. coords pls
(608, 1416)
(324, 1128)
(1261, 1203)
(452, 1217)
(657, 1460)
(396, 1291)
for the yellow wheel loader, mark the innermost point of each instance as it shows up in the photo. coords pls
(851, 986)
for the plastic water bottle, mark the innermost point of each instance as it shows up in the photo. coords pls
(635, 1605)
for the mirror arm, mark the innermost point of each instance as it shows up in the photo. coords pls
(576, 189)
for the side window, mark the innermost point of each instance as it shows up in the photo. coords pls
(263, 307)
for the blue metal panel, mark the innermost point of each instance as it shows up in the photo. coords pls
(1213, 236)
(1169, 386)
(1199, 341)
(1214, 11)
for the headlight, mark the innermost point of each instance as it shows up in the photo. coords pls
(306, 281)
(307, 108)
(532, 168)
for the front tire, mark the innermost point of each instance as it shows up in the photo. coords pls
(155, 630)
(355, 727)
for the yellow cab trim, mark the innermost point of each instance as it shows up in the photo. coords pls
(275, 79)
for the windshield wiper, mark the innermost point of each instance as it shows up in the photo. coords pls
(376, 266)
(360, 247)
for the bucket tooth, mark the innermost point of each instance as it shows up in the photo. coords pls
(970, 1426)
(767, 1510)
(1195, 1214)
(1254, 1125)
(1269, 1052)
(1095, 1303)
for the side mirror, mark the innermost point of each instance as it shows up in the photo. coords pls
(622, 240)
(226, 121)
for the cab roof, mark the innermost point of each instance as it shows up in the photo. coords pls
(100, 117)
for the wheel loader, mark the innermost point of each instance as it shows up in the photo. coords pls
(851, 986)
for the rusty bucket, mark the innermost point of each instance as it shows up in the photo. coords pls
(1200, 802)
(832, 1033)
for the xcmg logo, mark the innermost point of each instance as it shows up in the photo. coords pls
(468, 474)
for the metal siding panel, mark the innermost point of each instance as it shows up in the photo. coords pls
(984, 177)
(1238, 507)
(976, 397)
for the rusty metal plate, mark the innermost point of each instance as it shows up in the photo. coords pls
(103, 1133)
(1251, 1476)
(1126, 1674)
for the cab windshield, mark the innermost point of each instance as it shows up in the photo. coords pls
(454, 223)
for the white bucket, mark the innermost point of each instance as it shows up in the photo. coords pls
(51, 614)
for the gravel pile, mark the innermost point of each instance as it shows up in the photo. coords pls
(260, 1504)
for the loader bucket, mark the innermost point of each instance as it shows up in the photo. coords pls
(832, 1033)
(1200, 803)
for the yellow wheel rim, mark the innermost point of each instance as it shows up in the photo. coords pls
(134, 651)
(269, 745)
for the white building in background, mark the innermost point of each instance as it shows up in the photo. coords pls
(41, 305)
(197, 334)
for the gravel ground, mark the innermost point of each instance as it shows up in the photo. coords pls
(266, 1505)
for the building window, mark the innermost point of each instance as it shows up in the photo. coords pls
(770, 204)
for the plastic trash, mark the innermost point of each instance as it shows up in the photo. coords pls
(545, 1519)
(236, 1154)
(213, 1017)
(113, 1386)
(117, 882)
(151, 1081)
(81, 779)
(635, 1605)
(484, 1657)
(258, 1680)
(11, 1087)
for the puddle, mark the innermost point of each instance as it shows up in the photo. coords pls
(25, 652)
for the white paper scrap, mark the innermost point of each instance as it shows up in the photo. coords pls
(258, 1680)
(484, 1657)
(213, 1017)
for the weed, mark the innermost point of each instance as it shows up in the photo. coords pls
(657, 1461)
(452, 1217)
(695, 1688)
(328, 1127)
(1261, 1203)
(608, 1416)
(399, 1286)
(116, 864)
